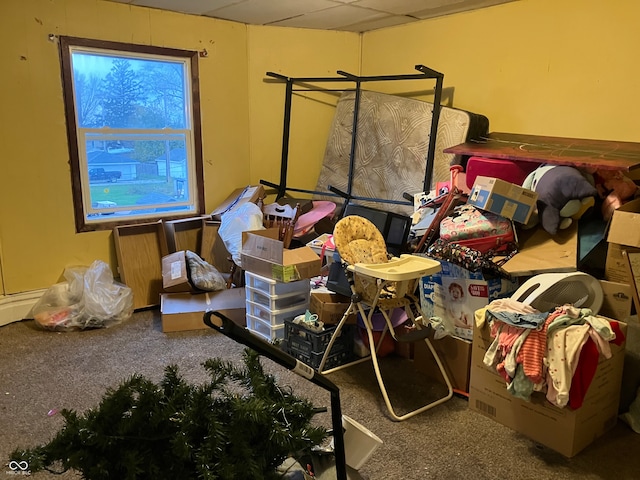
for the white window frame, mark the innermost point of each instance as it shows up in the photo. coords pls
(90, 218)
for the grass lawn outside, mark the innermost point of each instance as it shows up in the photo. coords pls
(129, 193)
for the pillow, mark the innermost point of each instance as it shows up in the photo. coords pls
(358, 240)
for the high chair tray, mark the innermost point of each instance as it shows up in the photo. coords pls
(405, 267)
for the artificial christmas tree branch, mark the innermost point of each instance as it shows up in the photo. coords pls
(239, 424)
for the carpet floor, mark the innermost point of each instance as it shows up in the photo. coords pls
(42, 372)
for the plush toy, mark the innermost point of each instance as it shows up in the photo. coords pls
(614, 188)
(564, 195)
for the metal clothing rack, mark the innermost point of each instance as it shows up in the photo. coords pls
(425, 73)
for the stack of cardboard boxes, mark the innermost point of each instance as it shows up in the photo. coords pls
(564, 430)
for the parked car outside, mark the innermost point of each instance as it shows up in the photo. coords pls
(102, 175)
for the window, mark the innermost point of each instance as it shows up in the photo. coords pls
(133, 126)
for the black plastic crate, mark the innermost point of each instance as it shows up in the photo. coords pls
(314, 359)
(305, 341)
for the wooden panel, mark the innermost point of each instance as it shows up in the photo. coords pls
(213, 250)
(578, 152)
(184, 234)
(139, 250)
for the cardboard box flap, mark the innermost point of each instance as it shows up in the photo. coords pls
(250, 193)
(540, 252)
(299, 255)
(624, 227)
(263, 244)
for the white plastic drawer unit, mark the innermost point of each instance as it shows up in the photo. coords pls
(279, 302)
(275, 317)
(271, 287)
(265, 329)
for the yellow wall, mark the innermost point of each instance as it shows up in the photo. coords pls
(552, 67)
(294, 53)
(37, 231)
(547, 67)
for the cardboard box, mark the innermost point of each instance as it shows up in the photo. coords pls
(455, 355)
(175, 274)
(564, 430)
(185, 311)
(617, 300)
(330, 307)
(504, 198)
(623, 233)
(264, 254)
(454, 294)
(250, 193)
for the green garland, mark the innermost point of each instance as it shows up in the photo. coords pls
(239, 424)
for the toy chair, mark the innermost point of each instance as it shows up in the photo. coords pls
(381, 284)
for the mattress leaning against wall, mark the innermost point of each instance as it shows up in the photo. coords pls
(392, 142)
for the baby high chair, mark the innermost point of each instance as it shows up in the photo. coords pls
(381, 284)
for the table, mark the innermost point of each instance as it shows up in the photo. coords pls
(577, 152)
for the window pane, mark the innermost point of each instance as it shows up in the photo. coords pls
(119, 91)
(131, 175)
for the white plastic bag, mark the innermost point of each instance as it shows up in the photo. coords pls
(245, 218)
(90, 298)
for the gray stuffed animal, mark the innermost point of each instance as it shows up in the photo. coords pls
(564, 195)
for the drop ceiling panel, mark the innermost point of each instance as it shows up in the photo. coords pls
(333, 18)
(404, 7)
(457, 7)
(347, 15)
(262, 12)
(196, 7)
(390, 21)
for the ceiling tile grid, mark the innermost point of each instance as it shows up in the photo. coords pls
(348, 15)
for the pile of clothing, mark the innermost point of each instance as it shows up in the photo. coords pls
(554, 352)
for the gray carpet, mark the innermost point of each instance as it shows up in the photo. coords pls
(42, 371)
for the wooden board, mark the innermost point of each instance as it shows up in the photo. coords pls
(540, 252)
(183, 234)
(577, 152)
(139, 250)
(213, 250)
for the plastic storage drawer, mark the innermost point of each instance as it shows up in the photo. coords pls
(264, 329)
(279, 302)
(272, 287)
(274, 317)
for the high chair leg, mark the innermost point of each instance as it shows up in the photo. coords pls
(352, 309)
(383, 388)
(367, 320)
